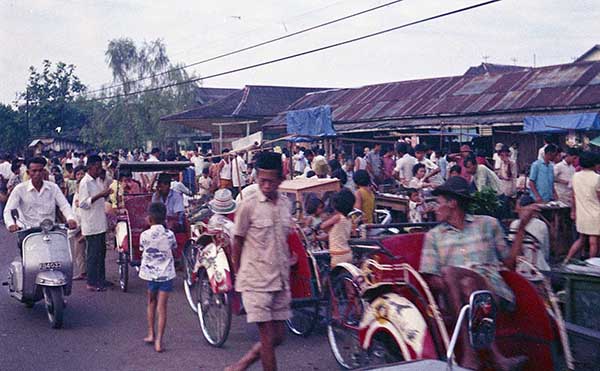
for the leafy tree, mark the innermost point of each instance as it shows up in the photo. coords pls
(13, 130)
(131, 121)
(48, 101)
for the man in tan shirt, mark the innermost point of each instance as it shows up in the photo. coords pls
(261, 260)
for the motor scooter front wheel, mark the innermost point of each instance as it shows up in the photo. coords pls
(55, 305)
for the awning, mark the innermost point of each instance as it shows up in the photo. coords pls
(310, 122)
(561, 123)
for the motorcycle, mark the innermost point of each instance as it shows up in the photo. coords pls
(44, 271)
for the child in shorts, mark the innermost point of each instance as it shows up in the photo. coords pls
(158, 268)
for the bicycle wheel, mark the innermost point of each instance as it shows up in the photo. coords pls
(123, 271)
(189, 281)
(344, 312)
(214, 312)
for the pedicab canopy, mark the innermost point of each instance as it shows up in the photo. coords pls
(308, 124)
(562, 123)
(141, 166)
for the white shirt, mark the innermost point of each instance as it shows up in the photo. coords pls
(150, 175)
(299, 162)
(541, 152)
(93, 216)
(34, 206)
(5, 170)
(238, 172)
(157, 244)
(429, 167)
(514, 154)
(226, 170)
(198, 162)
(539, 230)
(404, 166)
(497, 160)
(564, 172)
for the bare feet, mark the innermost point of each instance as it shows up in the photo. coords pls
(158, 346)
(149, 339)
(235, 367)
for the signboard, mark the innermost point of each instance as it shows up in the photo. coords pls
(247, 142)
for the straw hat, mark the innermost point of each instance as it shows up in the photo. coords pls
(223, 202)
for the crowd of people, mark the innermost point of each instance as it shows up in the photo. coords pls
(87, 189)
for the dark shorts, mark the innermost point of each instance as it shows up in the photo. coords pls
(165, 286)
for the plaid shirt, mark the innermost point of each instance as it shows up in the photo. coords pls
(479, 247)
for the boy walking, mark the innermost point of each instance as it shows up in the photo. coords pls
(158, 268)
(261, 260)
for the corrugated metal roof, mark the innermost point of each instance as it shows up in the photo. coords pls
(561, 87)
(249, 102)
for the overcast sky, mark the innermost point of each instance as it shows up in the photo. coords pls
(78, 32)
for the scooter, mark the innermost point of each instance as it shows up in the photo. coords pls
(45, 270)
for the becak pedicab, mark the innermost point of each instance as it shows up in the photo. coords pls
(131, 215)
(399, 317)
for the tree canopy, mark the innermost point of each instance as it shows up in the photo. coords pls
(126, 122)
(55, 103)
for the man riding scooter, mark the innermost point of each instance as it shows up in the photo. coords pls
(466, 251)
(44, 269)
(36, 200)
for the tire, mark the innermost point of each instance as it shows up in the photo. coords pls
(214, 312)
(343, 319)
(123, 271)
(55, 305)
(189, 281)
(383, 350)
(303, 320)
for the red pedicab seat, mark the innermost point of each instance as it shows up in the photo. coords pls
(137, 210)
(528, 330)
(300, 273)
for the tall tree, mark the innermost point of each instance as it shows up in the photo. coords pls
(48, 100)
(13, 129)
(135, 119)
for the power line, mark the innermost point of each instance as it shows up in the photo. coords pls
(221, 40)
(220, 56)
(291, 56)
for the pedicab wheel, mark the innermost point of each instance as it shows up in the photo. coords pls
(344, 312)
(55, 305)
(304, 319)
(123, 271)
(189, 282)
(214, 312)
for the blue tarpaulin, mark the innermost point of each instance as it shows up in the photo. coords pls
(558, 123)
(310, 122)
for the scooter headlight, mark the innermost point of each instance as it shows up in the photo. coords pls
(46, 225)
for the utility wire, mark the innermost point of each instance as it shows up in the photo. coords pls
(220, 56)
(291, 56)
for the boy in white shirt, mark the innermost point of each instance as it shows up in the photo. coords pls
(158, 268)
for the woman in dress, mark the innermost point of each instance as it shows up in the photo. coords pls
(586, 208)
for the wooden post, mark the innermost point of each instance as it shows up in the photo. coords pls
(239, 178)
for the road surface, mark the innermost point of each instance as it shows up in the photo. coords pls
(104, 331)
